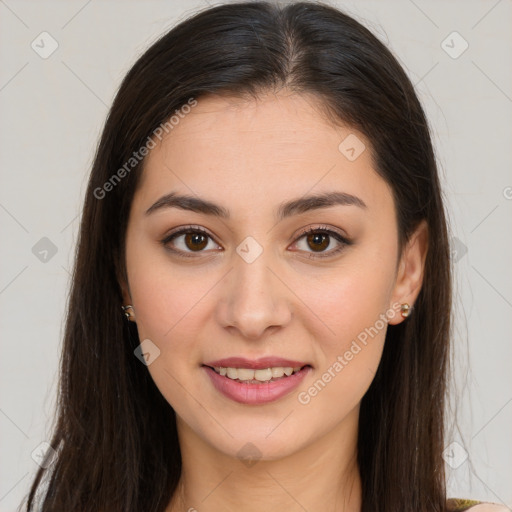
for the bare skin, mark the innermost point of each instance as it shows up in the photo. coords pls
(249, 157)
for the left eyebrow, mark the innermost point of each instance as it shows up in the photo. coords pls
(294, 207)
(318, 201)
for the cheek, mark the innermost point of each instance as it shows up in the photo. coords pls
(352, 321)
(164, 297)
(170, 313)
(350, 303)
(168, 308)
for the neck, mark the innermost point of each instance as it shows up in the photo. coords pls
(322, 476)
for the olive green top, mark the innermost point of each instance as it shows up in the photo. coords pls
(460, 504)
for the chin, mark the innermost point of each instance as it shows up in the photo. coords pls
(263, 444)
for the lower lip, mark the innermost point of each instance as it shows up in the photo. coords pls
(255, 394)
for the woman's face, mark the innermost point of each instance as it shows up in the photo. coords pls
(252, 284)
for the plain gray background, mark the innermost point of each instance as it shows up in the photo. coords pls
(53, 108)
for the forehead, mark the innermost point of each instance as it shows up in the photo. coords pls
(275, 120)
(250, 152)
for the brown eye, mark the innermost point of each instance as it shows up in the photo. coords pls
(318, 241)
(187, 241)
(195, 241)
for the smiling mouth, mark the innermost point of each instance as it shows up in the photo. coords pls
(257, 376)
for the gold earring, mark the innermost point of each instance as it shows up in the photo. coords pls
(405, 310)
(126, 312)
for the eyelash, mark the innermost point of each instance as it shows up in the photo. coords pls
(321, 229)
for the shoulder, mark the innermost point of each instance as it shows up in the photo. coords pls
(459, 505)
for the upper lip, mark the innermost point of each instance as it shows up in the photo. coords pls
(255, 364)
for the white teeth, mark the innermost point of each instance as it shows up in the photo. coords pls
(232, 373)
(261, 375)
(277, 372)
(240, 373)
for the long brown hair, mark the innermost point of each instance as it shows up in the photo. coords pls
(115, 434)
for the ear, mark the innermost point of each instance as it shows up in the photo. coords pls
(126, 295)
(411, 270)
(122, 280)
(125, 292)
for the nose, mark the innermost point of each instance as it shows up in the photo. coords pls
(254, 299)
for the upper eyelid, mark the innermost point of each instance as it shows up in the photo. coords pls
(183, 230)
(305, 231)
